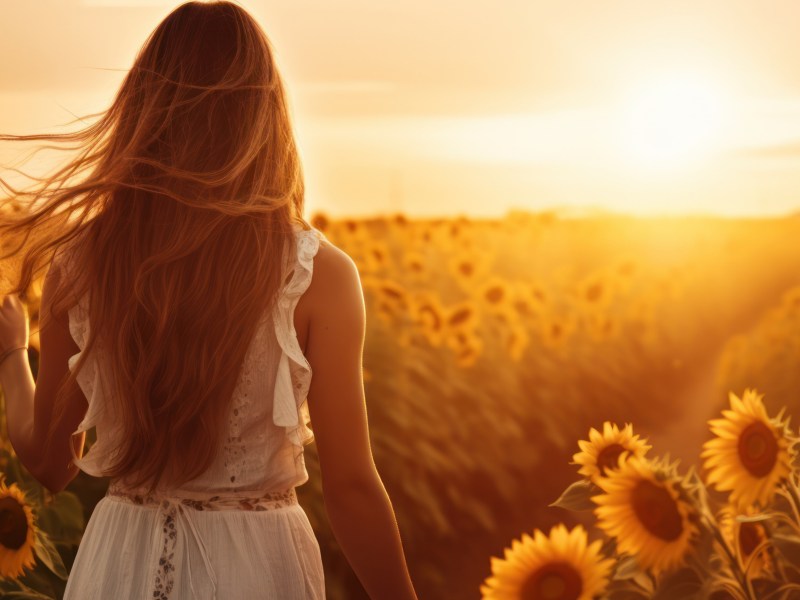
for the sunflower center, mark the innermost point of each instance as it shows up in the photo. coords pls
(758, 449)
(435, 320)
(495, 294)
(608, 457)
(656, 510)
(553, 581)
(13, 524)
(594, 292)
(748, 538)
(461, 315)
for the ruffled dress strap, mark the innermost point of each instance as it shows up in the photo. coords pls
(290, 406)
(89, 377)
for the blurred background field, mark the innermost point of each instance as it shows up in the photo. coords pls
(493, 345)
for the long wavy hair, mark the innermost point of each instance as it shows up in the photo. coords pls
(177, 212)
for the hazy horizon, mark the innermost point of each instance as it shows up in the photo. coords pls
(454, 109)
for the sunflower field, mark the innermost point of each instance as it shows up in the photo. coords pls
(666, 534)
(493, 346)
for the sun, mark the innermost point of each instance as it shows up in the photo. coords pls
(672, 121)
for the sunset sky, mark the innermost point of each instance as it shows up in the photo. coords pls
(437, 107)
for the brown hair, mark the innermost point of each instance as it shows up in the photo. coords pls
(194, 187)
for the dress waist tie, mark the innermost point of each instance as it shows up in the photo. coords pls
(184, 509)
(174, 508)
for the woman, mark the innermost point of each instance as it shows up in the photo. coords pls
(184, 309)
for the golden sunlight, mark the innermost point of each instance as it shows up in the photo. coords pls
(672, 121)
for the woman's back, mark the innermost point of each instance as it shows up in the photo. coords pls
(235, 531)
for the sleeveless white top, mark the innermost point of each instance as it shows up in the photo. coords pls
(240, 520)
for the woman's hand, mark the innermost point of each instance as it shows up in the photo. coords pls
(14, 327)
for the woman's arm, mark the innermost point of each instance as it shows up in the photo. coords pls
(29, 403)
(358, 508)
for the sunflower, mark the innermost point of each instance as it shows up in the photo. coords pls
(601, 453)
(466, 345)
(561, 566)
(414, 263)
(394, 292)
(468, 268)
(428, 314)
(595, 291)
(524, 301)
(496, 295)
(745, 537)
(646, 511)
(352, 226)
(385, 311)
(555, 330)
(376, 256)
(468, 355)
(462, 316)
(750, 454)
(320, 220)
(390, 298)
(538, 292)
(600, 324)
(17, 531)
(516, 341)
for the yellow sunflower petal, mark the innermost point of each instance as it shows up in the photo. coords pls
(539, 565)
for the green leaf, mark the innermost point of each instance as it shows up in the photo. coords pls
(48, 554)
(765, 588)
(578, 496)
(788, 546)
(683, 583)
(627, 568)
(63, 519)
(644, 581)
(624, 590)
(39, 581)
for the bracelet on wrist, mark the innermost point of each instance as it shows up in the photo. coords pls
(7, 353)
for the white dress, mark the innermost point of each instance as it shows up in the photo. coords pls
(237, 531)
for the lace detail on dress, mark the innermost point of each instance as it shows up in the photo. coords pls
(235, 450)
(238, 452)
(266, 501)
(237, 458)
(164, 580)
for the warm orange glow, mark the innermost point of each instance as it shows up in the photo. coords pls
(537, 106)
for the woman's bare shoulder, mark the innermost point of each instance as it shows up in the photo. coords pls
(334, 291)
(335, 273)
(335, 287)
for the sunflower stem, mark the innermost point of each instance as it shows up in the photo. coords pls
(784, 589)
(736, 568)
(794, 497)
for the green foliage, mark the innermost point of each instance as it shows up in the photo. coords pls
(59, 523)
(578, 496)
